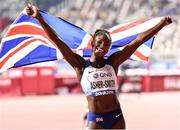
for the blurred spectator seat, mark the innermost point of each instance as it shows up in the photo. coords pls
(4, 22)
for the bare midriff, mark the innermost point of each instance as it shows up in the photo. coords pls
(101, 104)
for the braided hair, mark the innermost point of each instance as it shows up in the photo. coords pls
(101, 32)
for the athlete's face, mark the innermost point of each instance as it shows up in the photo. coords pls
(101, 45)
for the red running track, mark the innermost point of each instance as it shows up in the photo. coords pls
(144, 111)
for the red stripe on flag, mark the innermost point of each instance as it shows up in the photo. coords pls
(141, 56)
(28, 29)
(120, 29)
(89, 46)
(18, 49)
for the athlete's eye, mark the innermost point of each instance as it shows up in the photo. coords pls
(100, 42)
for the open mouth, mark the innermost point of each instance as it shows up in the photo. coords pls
(99, 50)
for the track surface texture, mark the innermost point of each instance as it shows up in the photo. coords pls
(160, 110)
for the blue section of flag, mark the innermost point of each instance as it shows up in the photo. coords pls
(149, 42)
(69, 33)
(40, 54)
(124, 41)
(26, 18)
(8, 45)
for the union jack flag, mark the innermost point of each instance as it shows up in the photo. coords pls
(27, 43)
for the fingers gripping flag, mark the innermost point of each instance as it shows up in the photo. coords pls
(27, 43)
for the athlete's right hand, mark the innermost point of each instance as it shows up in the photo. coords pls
(33, 11)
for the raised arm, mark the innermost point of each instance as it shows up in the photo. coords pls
(75, 60)
(119, 57)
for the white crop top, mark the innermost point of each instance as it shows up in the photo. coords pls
(99, 81)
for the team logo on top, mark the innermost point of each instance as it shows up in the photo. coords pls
(102, 75)
(95, 75)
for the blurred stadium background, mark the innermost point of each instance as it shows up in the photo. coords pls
(47, 95)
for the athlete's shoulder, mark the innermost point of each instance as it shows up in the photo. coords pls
(87, 63)
(108, 61)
